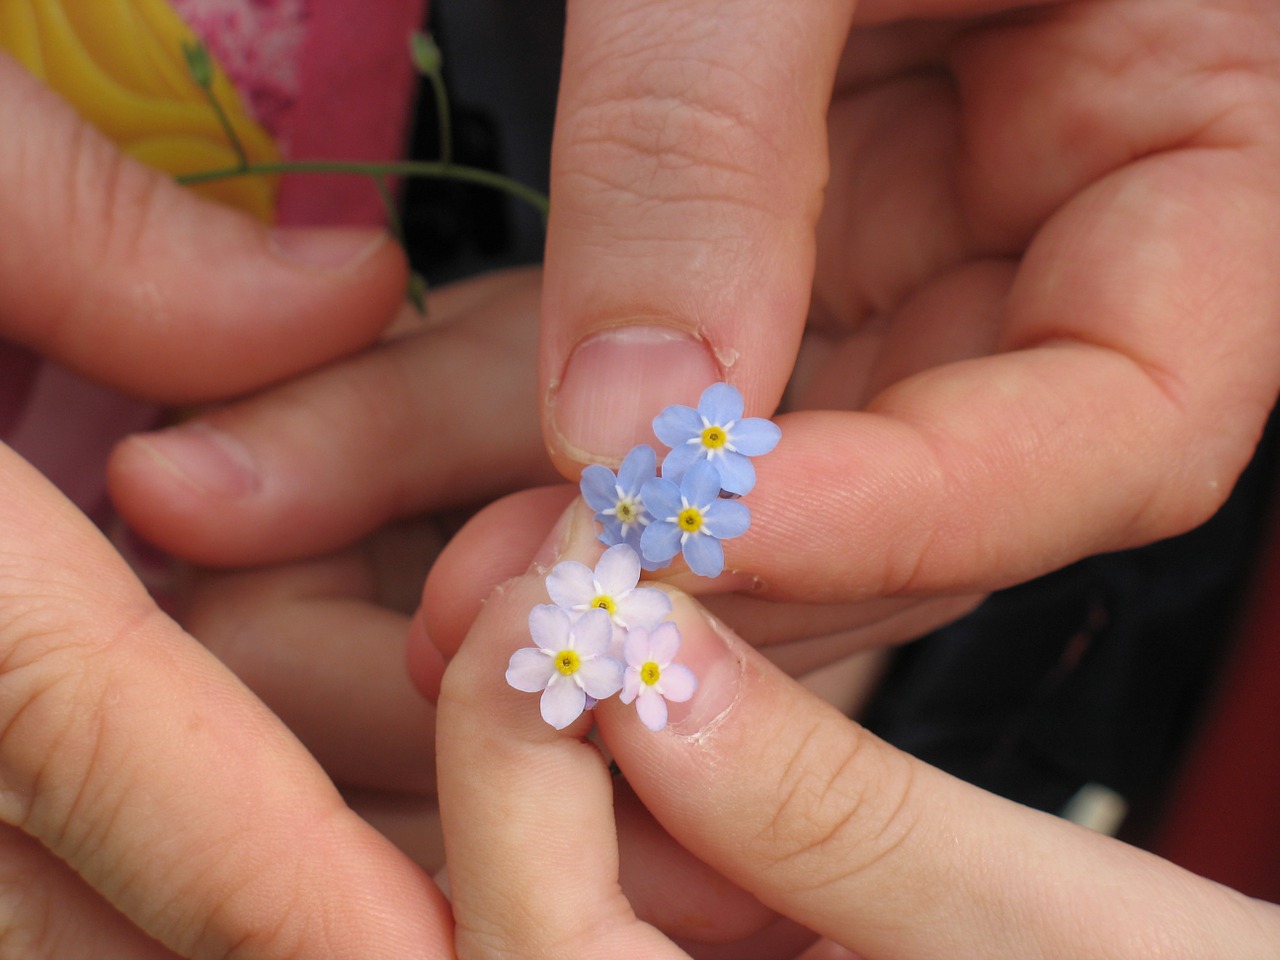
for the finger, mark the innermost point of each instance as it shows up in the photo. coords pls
(881, 853)
(979, 474)
(687, 175)
(124, 276)
(444, 418)
(307, 636)
(47, 912)
(498, 541)
(134, 756)
(548, 833)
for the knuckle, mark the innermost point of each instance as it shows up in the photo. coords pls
(841, 807)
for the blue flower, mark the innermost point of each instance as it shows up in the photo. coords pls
(616, 498)
(691, 519)
(718, 433)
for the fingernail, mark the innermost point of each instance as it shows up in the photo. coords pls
(212, 462)
(619, 379)
(326, 249)
(572, 534)
(709, 649)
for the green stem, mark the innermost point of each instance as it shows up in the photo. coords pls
(445, 121)
(406, 168)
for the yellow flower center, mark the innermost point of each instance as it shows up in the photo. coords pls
(690, 519)
(604, 602)
(627, 511)
(650, 673)
(567, 662)
(714, 438)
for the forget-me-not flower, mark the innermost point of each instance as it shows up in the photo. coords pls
(691, 519)
(569, 664)
(616, 497)
(651, 678)
(611, 587)
(718, 433)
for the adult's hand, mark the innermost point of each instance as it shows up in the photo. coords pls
(793, 802)
(1035, 247)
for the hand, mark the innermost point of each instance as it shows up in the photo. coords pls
(1040, 273)
(150, 805)
(777, 792)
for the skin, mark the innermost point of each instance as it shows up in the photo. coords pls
(1022, 265)
(150, 805)
(880, 854)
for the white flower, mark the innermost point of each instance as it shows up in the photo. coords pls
(651, 679)
(569, 663)
(611, 587)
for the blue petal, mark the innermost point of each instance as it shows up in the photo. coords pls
(661, 498)
(599, 487)
(676, 424)
(701, 484)
(755, 436)
(612, 532)
(639, 465)
(660, 542)
(704, 555)
(726, 519)
(680, 459)
(720, 403)
(737, 475)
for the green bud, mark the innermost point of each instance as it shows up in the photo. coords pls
(199, 63)
(425, 53)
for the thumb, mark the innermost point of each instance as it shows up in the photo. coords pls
(119, 273)
(687, 175)
(886, 855)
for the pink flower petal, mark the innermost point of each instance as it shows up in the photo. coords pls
(562, 702)
(530, 670)
(652, 709)
(677, 682)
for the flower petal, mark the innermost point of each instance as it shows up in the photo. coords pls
(726, 519)
(720, 403)
(678, 682)
(664, 643)
(704, 555)
(637, 650)
(755, 436)
(677, 463)
(601, 677)
(701, 484)
(611, 532)
(599, 487)
(661, 498)
(570, 584)
(530, 670)
(618, 570)
(630, 686)
(737, 475)
(639, 465)
(592, 633)
(652, 709)
(676, 424)
(660, 542)
(549, 627)
(562, 702)
(643, 607)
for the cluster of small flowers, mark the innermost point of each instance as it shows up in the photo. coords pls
(685, 509)
(603, 633)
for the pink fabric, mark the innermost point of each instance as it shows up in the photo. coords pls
(329, 78)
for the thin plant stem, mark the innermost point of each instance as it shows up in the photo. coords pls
(405, 168)
(443, 118)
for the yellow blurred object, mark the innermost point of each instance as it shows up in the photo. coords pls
(121, 65)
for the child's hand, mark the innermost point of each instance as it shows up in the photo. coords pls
(787, 799)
